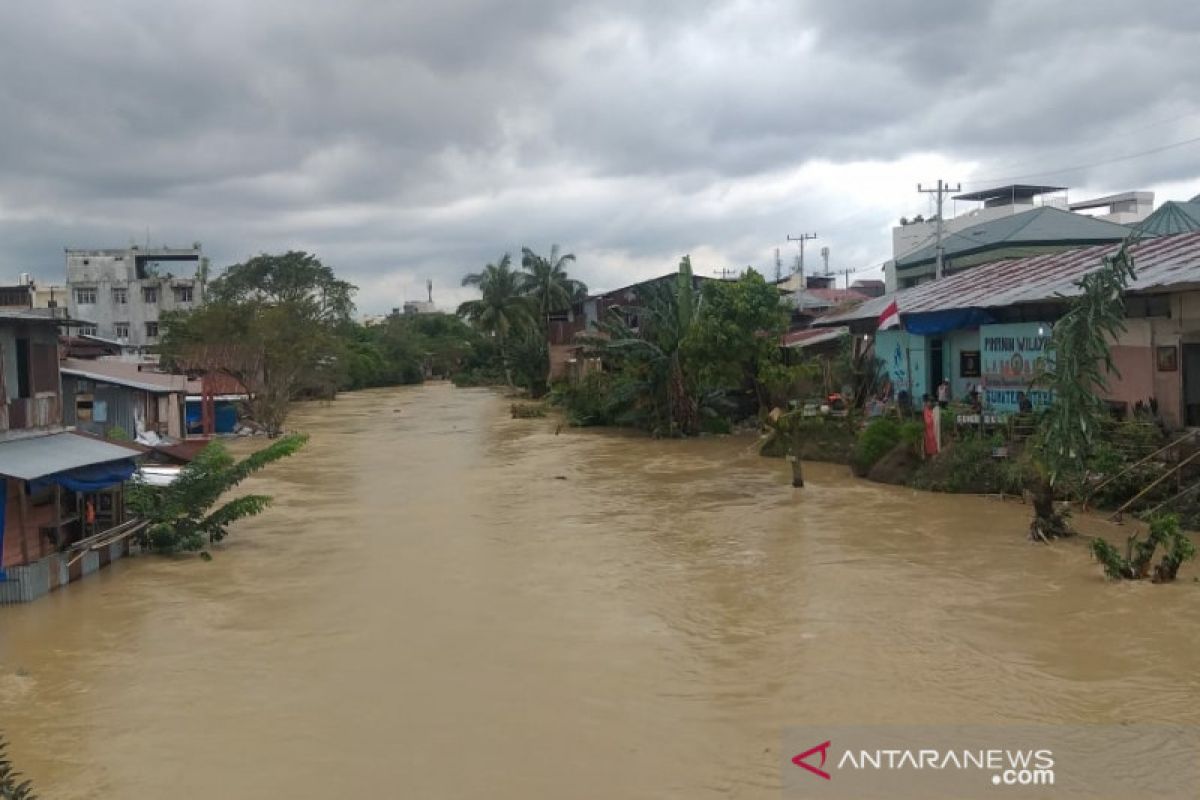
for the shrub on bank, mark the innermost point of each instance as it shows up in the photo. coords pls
(968, 466)
(878, 439)
(823, 438)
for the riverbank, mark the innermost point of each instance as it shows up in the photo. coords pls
(579, 611)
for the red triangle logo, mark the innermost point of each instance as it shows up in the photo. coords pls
(800, 762)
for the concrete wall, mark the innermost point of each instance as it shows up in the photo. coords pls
(105, 270)
(904, 356)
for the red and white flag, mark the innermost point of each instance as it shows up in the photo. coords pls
(890, 318)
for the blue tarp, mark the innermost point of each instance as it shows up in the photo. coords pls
(226, 416)
(935, 322)
(91, 478)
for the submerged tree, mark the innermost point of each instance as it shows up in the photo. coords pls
(1076, 372)
(1136, 562)
(181, 514)
(11, 785)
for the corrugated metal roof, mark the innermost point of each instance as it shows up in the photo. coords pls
(124, 373)
(810, 336)
(32, 315)
(1043, 225)
(36, 456)
(825, 298)
(1171, 217)
(1162, 263)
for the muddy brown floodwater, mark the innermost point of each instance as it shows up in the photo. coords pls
(447, 603)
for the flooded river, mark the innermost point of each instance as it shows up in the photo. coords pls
(447, 603)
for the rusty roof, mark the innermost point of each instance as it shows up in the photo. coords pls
(811, 336)
(1163, 263)
(124, 373)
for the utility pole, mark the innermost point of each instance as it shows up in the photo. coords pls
(802, 238)
(778, 266)
(943, 188)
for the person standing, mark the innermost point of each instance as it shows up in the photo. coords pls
(943, 393)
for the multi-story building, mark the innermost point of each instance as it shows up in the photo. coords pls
(125, 291)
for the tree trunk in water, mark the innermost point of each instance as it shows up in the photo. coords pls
(683, 407)
(794, 449)
(1047, 523)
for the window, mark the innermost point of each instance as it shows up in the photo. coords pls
(16, 297)
(183, 294)
(120, 296)
(1154, 305)
(87, 330)
(151, 330)
(150, 294)
(83, 407)
(121, 330)
(85, 296)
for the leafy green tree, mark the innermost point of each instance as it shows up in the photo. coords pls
(181, 515)
(272, 323)
(11, 785)
(737, 339)
(546, 281)
(1076, 372)
(503, 310)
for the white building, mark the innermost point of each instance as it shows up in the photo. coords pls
(1126, 208)
(125, 291)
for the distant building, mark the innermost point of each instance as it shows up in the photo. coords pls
(869, 287)
(27, 293)
(125, 291)
(1013, 220)
(425, 306)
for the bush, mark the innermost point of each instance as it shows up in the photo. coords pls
(878, 439)
(967, 466)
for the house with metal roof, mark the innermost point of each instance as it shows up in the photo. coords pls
(1044, 229)
(985, 329)
(62, 512)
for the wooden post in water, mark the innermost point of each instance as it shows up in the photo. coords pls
(794, 457)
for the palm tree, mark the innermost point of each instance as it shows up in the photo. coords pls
(546, 281)
(503, 309)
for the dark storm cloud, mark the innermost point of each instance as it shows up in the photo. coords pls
(405, 140)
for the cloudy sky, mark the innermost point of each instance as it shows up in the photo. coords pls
(409, 140)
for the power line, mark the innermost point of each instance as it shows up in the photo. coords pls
(1112, 136)
(1077, 167)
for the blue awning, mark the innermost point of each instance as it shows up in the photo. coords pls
(935, 322)
(91, 478)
